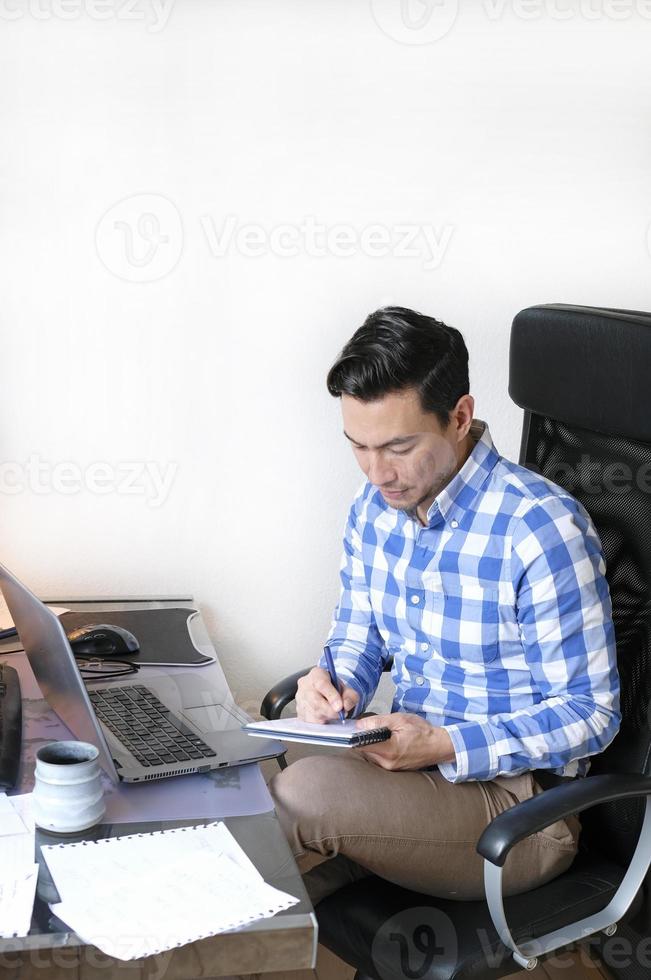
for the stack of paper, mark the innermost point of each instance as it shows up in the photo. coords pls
(18, 871)
(141, 894)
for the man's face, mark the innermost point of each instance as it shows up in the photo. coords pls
(401, 448)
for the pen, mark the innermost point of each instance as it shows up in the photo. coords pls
(333, 675)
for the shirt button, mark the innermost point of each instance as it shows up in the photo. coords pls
(415, 598)
(420, 681)
(424, 646)
(454, 523)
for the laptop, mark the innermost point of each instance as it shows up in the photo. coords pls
(171, 724)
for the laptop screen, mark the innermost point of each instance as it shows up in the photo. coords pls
(53, 663)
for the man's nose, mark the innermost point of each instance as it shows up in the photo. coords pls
(381, 472)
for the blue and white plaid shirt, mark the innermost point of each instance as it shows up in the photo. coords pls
(497, 614)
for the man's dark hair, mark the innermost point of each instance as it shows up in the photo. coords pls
(396, 348)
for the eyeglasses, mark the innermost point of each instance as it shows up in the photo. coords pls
(96, 668)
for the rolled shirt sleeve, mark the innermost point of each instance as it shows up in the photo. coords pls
(565, 617)
(357, 648)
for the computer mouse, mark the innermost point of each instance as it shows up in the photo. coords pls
(102, 640)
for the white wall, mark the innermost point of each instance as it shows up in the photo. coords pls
(520, 138)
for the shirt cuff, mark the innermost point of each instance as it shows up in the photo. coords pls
(475, 750)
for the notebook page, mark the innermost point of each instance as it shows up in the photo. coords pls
(293, 726)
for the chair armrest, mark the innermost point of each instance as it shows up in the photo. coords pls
(281, 694)
(541, 811)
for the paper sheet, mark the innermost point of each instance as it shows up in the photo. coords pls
(138, 895)
(23, 807)
(18, 870)
(10, 820)
(16, 903)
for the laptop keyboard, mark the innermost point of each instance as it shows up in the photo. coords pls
(146, 727)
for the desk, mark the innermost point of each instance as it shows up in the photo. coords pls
(286, 942)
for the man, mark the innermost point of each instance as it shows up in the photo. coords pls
(485, 582)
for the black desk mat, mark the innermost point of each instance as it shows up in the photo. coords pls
(163, 634)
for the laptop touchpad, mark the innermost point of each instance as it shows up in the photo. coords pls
(211, 718)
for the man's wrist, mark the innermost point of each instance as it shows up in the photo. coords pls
(442, 746)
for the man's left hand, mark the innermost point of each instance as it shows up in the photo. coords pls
(414, 743)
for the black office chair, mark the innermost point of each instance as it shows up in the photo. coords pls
(582, 376)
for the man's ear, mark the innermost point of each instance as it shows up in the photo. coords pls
(463, 414)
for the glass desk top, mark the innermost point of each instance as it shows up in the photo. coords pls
(259, 835)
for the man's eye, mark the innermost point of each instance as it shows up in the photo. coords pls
(401, 452)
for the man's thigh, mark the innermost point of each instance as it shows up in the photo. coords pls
(413, 828)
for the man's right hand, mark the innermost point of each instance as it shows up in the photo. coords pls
(318, 701)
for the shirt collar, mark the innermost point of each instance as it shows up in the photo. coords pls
(457, 495)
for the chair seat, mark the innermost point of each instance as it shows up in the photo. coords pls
(391, 933)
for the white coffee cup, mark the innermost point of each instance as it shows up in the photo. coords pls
(68, 794)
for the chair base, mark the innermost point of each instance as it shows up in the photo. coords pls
(389, 933)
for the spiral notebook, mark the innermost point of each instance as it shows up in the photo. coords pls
(141, 894)
(342, 733)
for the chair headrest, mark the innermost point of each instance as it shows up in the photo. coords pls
(586, 366)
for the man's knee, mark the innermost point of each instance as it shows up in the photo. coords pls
(303, 785)
(305, 795)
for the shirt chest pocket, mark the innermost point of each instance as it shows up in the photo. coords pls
(462, 621)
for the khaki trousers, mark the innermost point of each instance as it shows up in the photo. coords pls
(345, 818)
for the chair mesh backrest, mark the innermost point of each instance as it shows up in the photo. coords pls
(611, 477)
